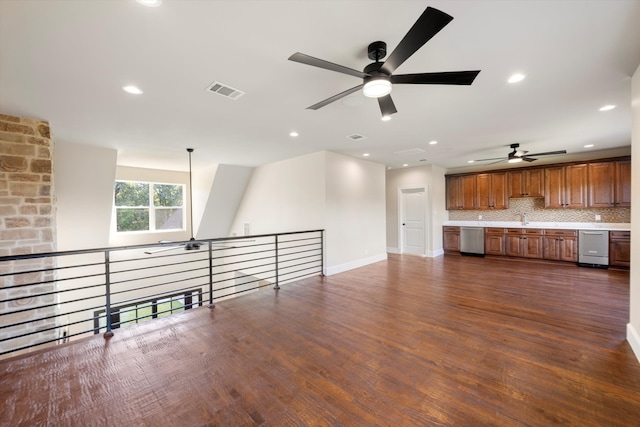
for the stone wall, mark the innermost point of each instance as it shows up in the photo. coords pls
(27, 212)
(27, 226)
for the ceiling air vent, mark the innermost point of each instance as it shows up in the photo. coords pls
(409, 152)
(356, 137)
(225, 90)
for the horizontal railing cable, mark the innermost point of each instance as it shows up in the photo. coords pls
(50, 298)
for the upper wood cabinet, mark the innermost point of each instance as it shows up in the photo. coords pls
(590, 184)
(461, 192)
(492, 190)
(565, 186)
(526, 183)
(610, 184)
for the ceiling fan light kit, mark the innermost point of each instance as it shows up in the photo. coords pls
(378, 78)
(517, 156)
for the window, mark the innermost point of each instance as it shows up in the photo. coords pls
(141, 311)
(145, 206)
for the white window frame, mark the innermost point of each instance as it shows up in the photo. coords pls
(152, 208)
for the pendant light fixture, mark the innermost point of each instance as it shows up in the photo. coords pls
(192, 244)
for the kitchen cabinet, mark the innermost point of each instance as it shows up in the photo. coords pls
(620, 248)
(461, 192)
(494, 241)
(492, 190)
(526, 183)
(524, 242)
(610, 184)
(565, 186)
(561, 245)
(451, 238)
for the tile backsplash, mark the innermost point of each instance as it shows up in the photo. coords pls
(536, 212)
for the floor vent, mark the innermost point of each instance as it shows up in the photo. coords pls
(225, 90)
(356, 137)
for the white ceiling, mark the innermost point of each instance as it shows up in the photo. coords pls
(65, 61)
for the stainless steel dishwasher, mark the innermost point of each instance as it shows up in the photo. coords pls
(472, 241)
(593, 248)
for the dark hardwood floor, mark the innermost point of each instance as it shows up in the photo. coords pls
(450, 341)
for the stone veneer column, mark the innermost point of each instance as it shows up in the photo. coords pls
(27, 225)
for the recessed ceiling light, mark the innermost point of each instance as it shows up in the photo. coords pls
(405, 165)
(385, 118)
(588, 146)
(293, 133)
(150, 3)
(365, 155)
(607, 107)
(132, 89)
(515, 78)
(433, 142)
(470, 161)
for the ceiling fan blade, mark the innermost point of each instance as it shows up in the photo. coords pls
(529, 159)
(549, 153)
(428, 25)
(387, 107)
(442, 78)
(321, 63)
(486, 160)
(335, 98)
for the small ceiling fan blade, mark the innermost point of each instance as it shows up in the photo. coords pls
(487, 160)
(387, 107)
(529, 159)
(321, 63)
(442, 78)
(519, 153)
(428, 25)
(335, 98)
(168, 248)
(549, 153)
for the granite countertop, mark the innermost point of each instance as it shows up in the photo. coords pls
(560, 225)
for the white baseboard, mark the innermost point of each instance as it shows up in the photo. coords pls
(354, 264)
(633, 337)
(433, 254)
(429, 254)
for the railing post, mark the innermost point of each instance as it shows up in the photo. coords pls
(277, 286)
(211, 304)
(322, 252)
(107, 283)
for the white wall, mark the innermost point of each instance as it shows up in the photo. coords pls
(288, 195)
(324, 190)
(429, 177)
(84, 177)
(355, 212)
(633, 328)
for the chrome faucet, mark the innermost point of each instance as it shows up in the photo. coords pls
(525, 220)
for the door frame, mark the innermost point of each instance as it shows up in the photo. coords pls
(426, 219)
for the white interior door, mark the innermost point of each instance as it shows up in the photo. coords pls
(413, 219)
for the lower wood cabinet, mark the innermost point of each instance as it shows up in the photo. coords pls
(561, 245)
(494, 241)
(451, 238)
(620, 248)
(524, 242)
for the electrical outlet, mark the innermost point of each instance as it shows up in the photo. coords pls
(598, 217)
(479, 216)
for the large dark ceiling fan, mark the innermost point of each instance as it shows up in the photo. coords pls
(377, 77)
(516, 155)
